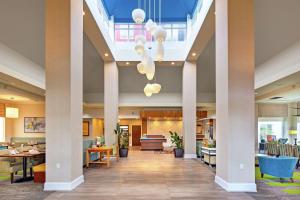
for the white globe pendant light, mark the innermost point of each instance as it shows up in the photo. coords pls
(140, 38)
(149, 68)
(148, 90)
(156, 88)
(160, 34)
(138, 15)
(159, 52)
(141, 68)
(151, 26)
(139, 48)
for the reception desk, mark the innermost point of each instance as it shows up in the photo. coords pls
(152, 142)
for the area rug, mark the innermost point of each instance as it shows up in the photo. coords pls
(287, 186)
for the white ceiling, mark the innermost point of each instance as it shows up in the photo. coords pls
(276, 27)
(22, 28)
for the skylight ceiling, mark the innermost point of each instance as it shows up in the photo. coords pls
(171, 10)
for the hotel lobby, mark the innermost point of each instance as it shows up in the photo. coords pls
(149, 99)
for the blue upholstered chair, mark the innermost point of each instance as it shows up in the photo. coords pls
(282, 166)
(88, 144)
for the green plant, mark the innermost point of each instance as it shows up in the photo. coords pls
(123, 137)
(176, 140)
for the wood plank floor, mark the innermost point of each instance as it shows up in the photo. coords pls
(146, 176)
(149, 175)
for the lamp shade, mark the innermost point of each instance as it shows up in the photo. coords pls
(293, 132)
(140, 38)
(156, 88)
(150, 68)
(160, 34)
(151, 26)
(138, 15)
(11, 112)
(159, 51)
(139, 48)
(141, 68)
(148, 90)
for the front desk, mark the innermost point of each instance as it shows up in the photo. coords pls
(152, 142)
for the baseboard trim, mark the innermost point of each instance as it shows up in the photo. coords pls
(63, 186)
(190, 156)
(235, 187)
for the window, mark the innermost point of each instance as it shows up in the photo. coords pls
(270, 129)
(125, 32)
(2, 129)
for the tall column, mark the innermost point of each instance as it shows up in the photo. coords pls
(235, 107)
(189, 108)
(64, 38)
(111, 101)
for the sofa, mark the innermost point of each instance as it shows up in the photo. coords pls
(282, 166)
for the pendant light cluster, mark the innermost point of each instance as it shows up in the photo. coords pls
(147, 64)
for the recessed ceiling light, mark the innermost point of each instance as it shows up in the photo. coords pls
(194, 54)
(106, 54)
(127, 63)
(172, 63)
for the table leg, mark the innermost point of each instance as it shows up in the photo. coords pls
(87, 158)
(108, 158)
(24, 167)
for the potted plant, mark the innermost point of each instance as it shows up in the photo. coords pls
(123, 141)
(178, 142)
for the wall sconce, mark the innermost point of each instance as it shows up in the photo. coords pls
(11, 112)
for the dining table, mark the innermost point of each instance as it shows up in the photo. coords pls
(24, 156)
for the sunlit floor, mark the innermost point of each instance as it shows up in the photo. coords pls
(143, 175)
(149, 175)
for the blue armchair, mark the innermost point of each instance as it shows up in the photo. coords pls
(88, 144)
(282, 166)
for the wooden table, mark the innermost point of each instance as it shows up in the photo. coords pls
(100, 151)
(23, 155)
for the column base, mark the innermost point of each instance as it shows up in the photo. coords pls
(235, 187)
(190, 156)
(63, 186)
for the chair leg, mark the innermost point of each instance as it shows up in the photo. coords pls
(292, 180)
(31, 172)
(16, 173)
(262, 175)
(11, 178)
(281, 180)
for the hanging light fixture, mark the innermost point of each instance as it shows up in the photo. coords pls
(148, 90)
(159, 52)
(151, 26)
(141, 68)
(139, 48)
(156, 87)
(138, 15)
(150, 68)
(160, 34)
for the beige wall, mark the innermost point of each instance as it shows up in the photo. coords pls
(162, 127)
(96, 127)
(15, 127)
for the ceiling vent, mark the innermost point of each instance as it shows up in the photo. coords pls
(274, 98)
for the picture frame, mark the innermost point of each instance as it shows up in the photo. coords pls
(85, 128)
(34, 125)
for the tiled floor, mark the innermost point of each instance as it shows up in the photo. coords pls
(143, 175)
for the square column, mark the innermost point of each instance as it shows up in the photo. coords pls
(235, 107)
(189, 108)
(111, 101)
(64, 46)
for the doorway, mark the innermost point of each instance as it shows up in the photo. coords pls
(136, 135)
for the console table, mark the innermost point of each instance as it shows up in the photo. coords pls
(209, 155)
